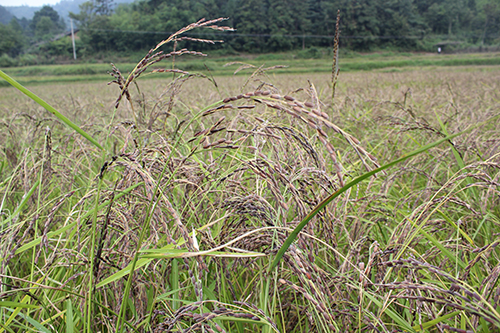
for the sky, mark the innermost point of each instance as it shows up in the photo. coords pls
(32, 3)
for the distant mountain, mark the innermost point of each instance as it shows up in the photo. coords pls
(23, 11)
(62, 8)
(5, 15)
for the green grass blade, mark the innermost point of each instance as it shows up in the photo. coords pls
(69, 317)
(118, 275)
(184, 253)
(456, 154)
(59, 231)
(49, 108)
(4, 327)
(243, 320)
(455, 226)
(18, 305)
(174, 284)
(168, 252)
(396, 317)
(21, 205)
(433, 322)
(367, 175)
(39, 327)
(17, 310)
(444, 250)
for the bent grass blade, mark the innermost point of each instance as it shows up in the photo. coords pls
(291, 238)
(170, 252)
(49, 108)
(21, 205)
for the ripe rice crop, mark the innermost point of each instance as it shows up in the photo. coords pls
(391, 188)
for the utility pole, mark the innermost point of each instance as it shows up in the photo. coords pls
(73, 39)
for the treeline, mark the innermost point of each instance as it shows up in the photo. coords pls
(264, 25)
(280, 25)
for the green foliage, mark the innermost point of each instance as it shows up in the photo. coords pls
(7, 61)
(178, 209)
(60, 47)
(45, 28)
(421, 235)
(278, 25)
(28, 60)
(46, 23)
(310, 53)
(287, 18)
(12, 40)
(267, 26)
(103, 7)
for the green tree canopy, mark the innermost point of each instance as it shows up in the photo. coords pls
(279, 25)
(12, 40)
(46, 23)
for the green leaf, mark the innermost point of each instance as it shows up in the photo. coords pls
(433, 322)
(59, 231)
(394, 315)
(39, 327)
(69, 317)
(49, 108)
(291, 238)
(18, 305)
(21, 205)
(242, 320)
(171, 292)
(184, 253)
(433, 240)
(118, 275)
(140, 263)
(169, 252)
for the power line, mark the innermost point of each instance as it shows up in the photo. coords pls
(168, 33)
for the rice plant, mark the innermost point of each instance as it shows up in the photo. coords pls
(358, 203)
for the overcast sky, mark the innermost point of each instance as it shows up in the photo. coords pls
(33, 3)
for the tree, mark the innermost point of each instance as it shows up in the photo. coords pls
(322, 18)
(104, 7)
(50, 13)
(490, 13)
(12, 41)
(251, 20)
(85, 16)
(359, 23)
(93, 21)
(399, 22)
(275, 25)
(287, 17)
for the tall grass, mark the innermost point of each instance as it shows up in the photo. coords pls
(226, 204)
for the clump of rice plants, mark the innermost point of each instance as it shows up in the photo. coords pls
(263, 203)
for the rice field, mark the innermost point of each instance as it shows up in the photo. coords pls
(254, 203)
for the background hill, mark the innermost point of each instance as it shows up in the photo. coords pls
(63, 8)
(262, 26)
(5, 15)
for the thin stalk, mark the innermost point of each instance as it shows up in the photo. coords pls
(335, 64)
(40, 179)
(92, 255)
